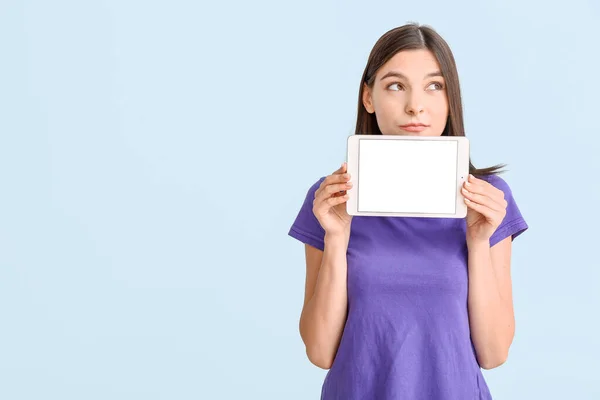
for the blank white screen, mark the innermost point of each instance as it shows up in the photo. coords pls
(413, 176)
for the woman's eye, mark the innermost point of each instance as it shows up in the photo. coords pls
(435, 85)
(438, 86)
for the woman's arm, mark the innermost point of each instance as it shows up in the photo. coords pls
(325, 301)
(491, 314)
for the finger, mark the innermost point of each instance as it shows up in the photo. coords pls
(486, 189)
(344, 187)
(345, 184)
(322, 207)
(329, 190)
(492, 216)
(487, 212)
(478, 183)
(475, 184)
(337, 178)
(340, 193)
(482, 199)
(332, 179)
(341, 169)
(333, 201)
(474, 206)
(493, 190)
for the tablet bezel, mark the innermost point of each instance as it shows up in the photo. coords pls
(462, 173)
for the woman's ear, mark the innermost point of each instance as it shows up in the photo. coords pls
(367, 99)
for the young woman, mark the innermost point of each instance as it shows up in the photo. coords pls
(408, 308)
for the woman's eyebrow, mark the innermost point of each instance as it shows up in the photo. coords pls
(402, 76)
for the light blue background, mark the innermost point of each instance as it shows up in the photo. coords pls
(153, 155)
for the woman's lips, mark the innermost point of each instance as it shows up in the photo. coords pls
(413, 128)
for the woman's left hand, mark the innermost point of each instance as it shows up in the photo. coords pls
(486, 208)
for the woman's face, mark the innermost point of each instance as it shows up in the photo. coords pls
(409, 89)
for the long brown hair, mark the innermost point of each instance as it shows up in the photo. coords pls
(412, 37)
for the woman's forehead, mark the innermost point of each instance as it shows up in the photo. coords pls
(411, 62)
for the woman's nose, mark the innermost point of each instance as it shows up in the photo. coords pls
(414, 105)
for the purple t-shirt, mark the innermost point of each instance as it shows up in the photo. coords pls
(407, 333)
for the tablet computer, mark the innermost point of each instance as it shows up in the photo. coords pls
(407, 176)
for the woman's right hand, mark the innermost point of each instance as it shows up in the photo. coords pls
(329, 205)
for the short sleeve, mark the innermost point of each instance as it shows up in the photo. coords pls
(513, 223)
(306, 228)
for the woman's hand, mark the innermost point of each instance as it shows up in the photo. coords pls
(486, 208)
(329, 205)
